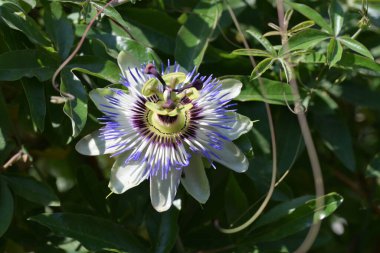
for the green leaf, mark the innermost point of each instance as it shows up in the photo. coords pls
(193, 37)
(355, 46)
(92, 189)
(27, 63)
(349, 61)
(252, 52)
(32, 190)
(334, 52)
(305, 40)
(17, 20)
(35, 94)
(357, 93)
(311, 14)
(6, 207)
(141, 53)
(93, 232)
(5, 124)
(287, 70)
(275, 92)
(333, 129)
(263, 41)
(153, 28)
(59, 28)
(302, 26)
(336, 16)
(235, 201)
(96, 66)
(281, 211)
(261, 67)
(75, 109)
(295, 217)
(373, 168)
(167, 232)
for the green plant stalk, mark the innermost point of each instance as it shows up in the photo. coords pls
(309, 143)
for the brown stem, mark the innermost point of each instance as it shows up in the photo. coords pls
(71, 56)
(309, 143)
(273, 141)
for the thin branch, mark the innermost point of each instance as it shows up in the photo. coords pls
(309, 143)
(273, 141)
(71, 56)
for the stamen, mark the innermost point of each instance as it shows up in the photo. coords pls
(151, 69)
(197, 84)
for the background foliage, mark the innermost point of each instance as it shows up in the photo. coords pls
(53, 200)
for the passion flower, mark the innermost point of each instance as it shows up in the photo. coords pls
(163, 126)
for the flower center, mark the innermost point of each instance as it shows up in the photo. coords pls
(167, 113)
(167, 125)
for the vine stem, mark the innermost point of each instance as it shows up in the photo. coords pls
(71, 56)
(273, 142)
(309, 143)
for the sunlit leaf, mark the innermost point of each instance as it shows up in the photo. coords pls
(373, 168)
(59, 28)
(252, 52)
(311, 14)
(75, 109)
(334, 52)
(355, 46)
(23, 23)
(302, 26)
(305, 40)
(261, 67)
(193, 37)
(272, 92)
(336, 16)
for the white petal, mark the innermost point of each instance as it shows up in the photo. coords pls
(94, 144)
(241, 125)
(195, 180)
(125, 61)
(230, 88)
(163, 191)
(98, 97)
(126, 176)
(231, 157)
